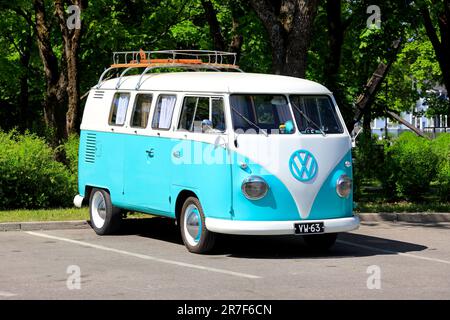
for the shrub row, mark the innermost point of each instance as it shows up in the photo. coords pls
(406, 166)
(30, 176)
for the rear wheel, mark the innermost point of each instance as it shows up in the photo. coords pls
(320, 242)
(196, 237)
(105, 218)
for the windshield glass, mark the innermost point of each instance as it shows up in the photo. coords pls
(320, 113)
(269, 113)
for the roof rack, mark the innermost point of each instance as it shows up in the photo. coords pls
(184, 59)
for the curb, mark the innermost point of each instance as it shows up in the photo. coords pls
(364, 217)
(418, 217)
(48, 225)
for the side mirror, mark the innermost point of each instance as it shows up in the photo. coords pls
(206, 125)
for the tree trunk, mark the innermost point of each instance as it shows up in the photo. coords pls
(56, 82)
(289, 25)
(441, 46)
(24, 89)
(219, 42)
(214, 26)
(71, 42)
(62, 96)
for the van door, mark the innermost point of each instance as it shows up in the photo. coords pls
(147, 167)
(200, 157)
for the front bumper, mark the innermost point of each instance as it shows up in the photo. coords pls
(277, 227)
(78, 201)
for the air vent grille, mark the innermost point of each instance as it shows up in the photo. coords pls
(99, 94)
(91, 147)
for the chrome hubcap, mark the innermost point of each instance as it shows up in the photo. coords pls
(192, 224)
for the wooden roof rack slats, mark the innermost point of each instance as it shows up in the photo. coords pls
(185, 59)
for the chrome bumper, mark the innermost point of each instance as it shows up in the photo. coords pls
(277, 227)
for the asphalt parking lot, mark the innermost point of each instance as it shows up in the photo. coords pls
(148, 261)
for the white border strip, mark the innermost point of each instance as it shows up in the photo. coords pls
(146, 257)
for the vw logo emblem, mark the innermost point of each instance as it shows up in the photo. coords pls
(303, 165)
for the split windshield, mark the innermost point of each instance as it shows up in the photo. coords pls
(271, 114)
(315, 114)
(267, 113)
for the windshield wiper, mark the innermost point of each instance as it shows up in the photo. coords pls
(249, 121)
(308, 119)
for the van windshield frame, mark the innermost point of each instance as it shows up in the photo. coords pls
(261, 113)
(321, 111)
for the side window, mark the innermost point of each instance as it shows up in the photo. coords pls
(201, 113)
(202, 110)
(119, 109)
(139, 118)
(163, 112)
(218, 114)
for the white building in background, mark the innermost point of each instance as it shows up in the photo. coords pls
(431, 125)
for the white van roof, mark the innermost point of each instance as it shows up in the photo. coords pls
(217, 82)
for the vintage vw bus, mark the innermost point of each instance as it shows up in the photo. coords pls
(220, 151)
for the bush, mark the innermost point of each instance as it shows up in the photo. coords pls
(441, 148)
(30, 177)
(369, 159)
(410, 166)
(71, 151)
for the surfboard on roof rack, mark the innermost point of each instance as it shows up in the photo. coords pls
(183, 59)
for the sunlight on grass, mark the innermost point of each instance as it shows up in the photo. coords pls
(63, 214)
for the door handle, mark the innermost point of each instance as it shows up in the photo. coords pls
(150, 153)
(177, 154)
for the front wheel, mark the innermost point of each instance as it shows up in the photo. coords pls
(196, 237)
(320, 242)
(105, 218)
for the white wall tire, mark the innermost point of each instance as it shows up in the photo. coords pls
(105, 218)
(196, 237)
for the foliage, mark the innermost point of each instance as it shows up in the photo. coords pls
(30, 177)
(71, 152)
(402, 206)
(368, 162)
(410, 166)
(441, 148)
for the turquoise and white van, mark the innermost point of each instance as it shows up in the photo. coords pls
(218, 150)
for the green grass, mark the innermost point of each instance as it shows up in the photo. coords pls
(83, 213)
(63, 214)
(44, 215)
(402, 206)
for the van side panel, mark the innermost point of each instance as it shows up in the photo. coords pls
(147, 173)
(101, 163)
(204, 169)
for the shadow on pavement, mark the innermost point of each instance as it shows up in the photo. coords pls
(272, 247)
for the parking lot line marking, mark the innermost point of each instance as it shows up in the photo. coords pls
(7, 294)
(145, 257)
(392, 252)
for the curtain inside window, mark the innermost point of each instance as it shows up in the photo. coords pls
(122, 109)
(165, 116)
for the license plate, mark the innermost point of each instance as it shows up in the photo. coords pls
(309, 228)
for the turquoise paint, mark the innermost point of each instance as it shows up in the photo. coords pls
(308, 165)
(138, 182)
(142, 183)
(277, 205)
(328, 204)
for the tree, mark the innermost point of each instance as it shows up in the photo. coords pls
(434, 13)
(62, 94)
(289, 25)
(219, 41)
(18, 33)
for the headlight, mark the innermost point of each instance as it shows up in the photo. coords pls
(344, 186)
(254, 188)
